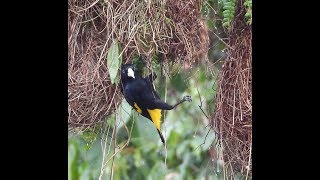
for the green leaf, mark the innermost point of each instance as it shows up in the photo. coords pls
(146, 130)
(72, 162)
(113, 61)
(226, 12)
(225, 24)
(227, 5)
(125, 110)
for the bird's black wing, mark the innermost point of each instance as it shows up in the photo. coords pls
(148, 81)
(156, 102)
(129, 95)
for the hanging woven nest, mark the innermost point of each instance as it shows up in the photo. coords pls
(233, 108)
(172, 30)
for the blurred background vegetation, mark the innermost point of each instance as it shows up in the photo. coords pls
(127, 146)
(185, 129)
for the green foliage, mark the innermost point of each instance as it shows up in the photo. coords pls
(178, 81)
(228, 11)
(139, 63)
(77, 167)
(89, 137)
(155, 59)
(125, 111)
(72, 162)
(113, 62)
(84, 163)
(248, 6)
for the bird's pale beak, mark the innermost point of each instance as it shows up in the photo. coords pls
(130, 73)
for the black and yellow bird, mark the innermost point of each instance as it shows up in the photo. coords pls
(141, 95)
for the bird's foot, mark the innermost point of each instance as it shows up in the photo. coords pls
(187, 98)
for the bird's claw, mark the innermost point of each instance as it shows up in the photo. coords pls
(187, 98)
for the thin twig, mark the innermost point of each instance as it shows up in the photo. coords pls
(200, 106)
(114, 147)
(204, 141)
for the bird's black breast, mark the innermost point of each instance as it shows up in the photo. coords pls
(132, 93)
(141, 92)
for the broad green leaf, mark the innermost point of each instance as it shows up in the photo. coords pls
(125, 110)
(113, 61)
(147, 131)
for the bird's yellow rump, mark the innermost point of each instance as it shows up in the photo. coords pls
(155, 115)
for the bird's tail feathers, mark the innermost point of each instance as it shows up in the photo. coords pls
(161, 136)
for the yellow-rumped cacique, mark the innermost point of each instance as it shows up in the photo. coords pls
(141, 95)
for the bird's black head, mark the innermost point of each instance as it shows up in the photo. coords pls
(128, 71)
